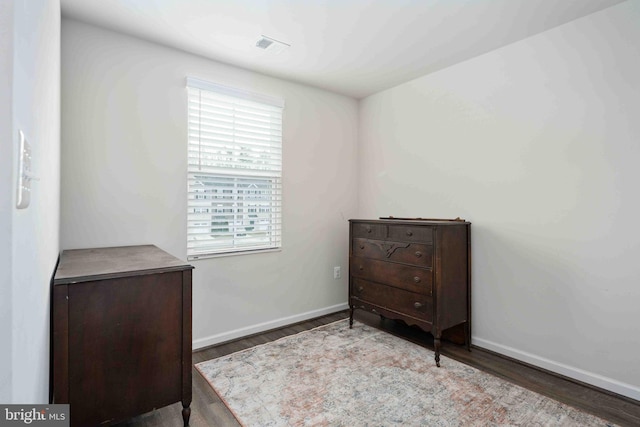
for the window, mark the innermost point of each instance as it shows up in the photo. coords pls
(235, 171)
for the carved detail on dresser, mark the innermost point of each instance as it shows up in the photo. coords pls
(390, 248)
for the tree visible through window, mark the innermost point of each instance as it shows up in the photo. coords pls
(234, 170)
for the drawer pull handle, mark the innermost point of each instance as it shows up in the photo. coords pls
(373, 310)
(368, 229)
(361, 246)
(409, 233)
(418, 254)
(360, 268)
(360, 289)
(417, 305)
(416, 279)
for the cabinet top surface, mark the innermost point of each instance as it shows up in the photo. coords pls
(416, 221)
(82, 265)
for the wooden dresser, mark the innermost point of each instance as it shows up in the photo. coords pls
(121, 333)
(418, 271)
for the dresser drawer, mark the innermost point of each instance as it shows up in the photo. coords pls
(401, 276)
(409, 303)
(368, 230)
(411, 233)
(405, 252)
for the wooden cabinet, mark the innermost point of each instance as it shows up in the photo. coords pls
(418, 271)
(121, 333)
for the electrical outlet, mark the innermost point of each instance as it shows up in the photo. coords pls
(337, 273)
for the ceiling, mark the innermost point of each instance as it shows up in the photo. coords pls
(353, 47)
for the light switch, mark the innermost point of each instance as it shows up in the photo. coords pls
(24, 173)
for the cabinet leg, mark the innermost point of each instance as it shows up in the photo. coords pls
(436, 345)
(350, 317)
(186, 413)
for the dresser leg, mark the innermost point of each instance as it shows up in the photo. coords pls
(436, 345)
(350, 317)
(467, 335)
(186, 413)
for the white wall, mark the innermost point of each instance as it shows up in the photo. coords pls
(537, 144)
(30, 89)
(124, 164)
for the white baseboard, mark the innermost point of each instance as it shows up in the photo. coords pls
(266, 326)
(597, 380)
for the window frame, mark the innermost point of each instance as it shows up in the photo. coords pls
(240, 176)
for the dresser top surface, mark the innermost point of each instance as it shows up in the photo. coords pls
(415, 221)
(82, 265)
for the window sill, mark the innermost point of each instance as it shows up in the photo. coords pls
(227, 254)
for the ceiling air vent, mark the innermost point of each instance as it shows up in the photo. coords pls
(272, 45)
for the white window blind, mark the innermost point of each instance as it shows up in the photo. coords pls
(234, 171)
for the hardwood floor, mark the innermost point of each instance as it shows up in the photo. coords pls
(207, 409)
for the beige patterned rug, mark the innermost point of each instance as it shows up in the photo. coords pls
(336, 376)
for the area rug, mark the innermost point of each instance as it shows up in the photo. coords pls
(336, 376)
